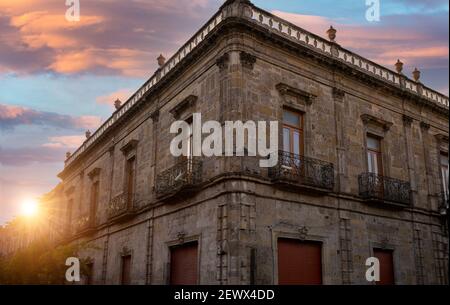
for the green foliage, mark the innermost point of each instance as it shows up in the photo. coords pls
(40, 263)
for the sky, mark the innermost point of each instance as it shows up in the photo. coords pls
(60, 78)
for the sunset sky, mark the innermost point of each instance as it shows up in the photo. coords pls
(60, 78)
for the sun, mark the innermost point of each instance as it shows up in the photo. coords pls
(29, 207)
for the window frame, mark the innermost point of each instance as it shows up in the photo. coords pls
(292, 129)
(378, 154)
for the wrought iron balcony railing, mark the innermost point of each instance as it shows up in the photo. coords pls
(379, 188)
(303, 171)
(84, 223)
(121, 205)
(185, 175)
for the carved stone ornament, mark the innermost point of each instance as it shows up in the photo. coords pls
(288, 90)
(223, 61)
(370, 119)
(247, 60)
(187, 103)
(132, 144)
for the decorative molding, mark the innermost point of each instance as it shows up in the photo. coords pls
(338, 94)
(188, 102)
(247, 60)
(303, 232)
(288, 90)
(132, 144)
(407, 120)
(181, 236)
(155, 115)
(441, 138)
(69, 191)
(125, 251)
(223, 61)
(424, 126)
(95, 172)
(370, 119)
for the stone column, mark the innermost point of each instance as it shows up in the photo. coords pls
(341, 166)
(424, 127)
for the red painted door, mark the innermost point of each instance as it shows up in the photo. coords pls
(386, 266)
(299, 263)
(183, 264)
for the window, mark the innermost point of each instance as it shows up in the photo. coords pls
(183, 264)
(386, 266)
(126, 270)
(130, 174)
(299, 262)
(94, 198)
(374, 156)
(293, 138)
(444, 173)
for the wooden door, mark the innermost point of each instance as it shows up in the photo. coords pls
(299, 262)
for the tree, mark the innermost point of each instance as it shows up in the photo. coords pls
(40, 263)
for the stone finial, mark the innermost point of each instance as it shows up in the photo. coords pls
(416, 75)
(88, 134)
(331, 33)
(399, 66)
(117, 104)
(161, 60)
(68, 154)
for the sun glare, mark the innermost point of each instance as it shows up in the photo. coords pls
(29, 207)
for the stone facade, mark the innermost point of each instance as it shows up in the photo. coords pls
(251, 65)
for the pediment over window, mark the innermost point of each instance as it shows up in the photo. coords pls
(299, 94)
(442, 141)
(131, 145)
(188, 103)
(94, 173)
(373, 121)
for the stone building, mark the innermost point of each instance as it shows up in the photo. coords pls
(362, 168)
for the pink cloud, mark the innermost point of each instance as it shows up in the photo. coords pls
(12, 115)
(122, 95)
(65, 141)
(114, 36)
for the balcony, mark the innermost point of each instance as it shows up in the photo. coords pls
(85, 225)
(121, 207)
(376, 188)
(303, 172)
(184, 177)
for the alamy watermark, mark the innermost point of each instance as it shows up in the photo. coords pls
(373, 272)
(189, 143)
(373, 10)
(73, 10)
(73, 272)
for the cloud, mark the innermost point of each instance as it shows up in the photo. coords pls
(11, 116)
(65, 141)
(113, 36)
(24, 156)
(108, 99)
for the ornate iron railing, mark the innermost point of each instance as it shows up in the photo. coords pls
(84, 223)
(377, 187)
(184, 175)
(120, 205)
(302, 170)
